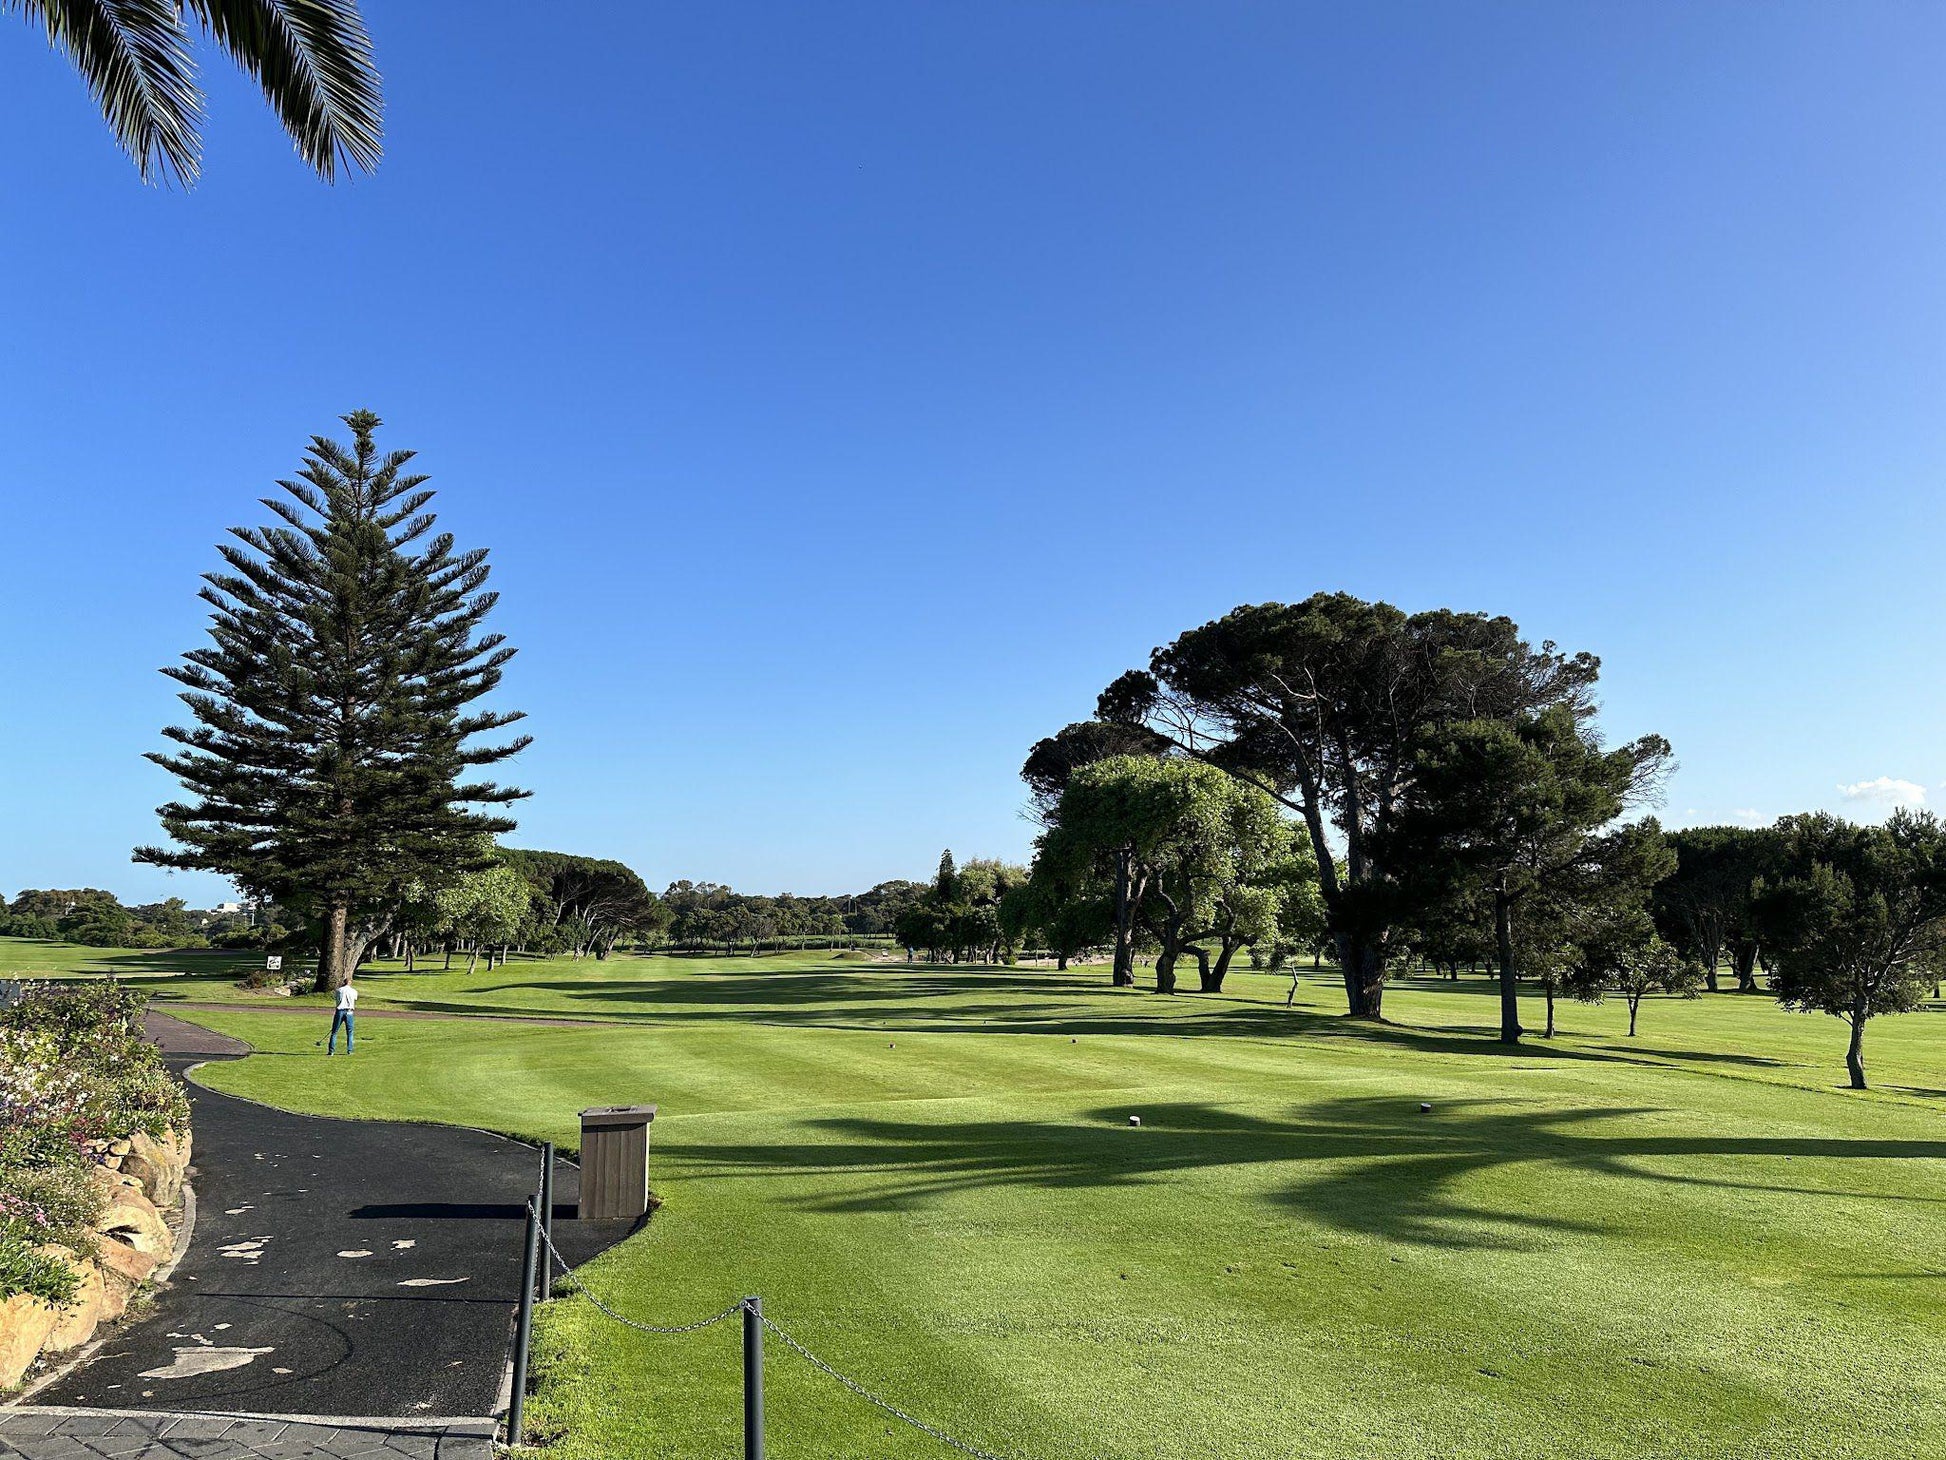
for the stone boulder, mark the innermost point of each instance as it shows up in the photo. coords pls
(134, 1238)
(75, 1324)
(24, 1326)
(139, 1177)
(158, 1165)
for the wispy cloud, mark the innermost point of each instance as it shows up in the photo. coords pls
(1749, 816)
(1885, 791)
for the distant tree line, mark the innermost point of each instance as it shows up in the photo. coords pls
(517, 901)
(96, 918)
(708, 916)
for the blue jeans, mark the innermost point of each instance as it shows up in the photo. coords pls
(338, 1017)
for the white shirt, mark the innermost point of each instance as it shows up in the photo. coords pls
(347, 996)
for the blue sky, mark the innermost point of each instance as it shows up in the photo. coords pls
(849, 391)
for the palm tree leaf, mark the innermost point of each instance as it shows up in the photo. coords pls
(134, 57)
(313, 59)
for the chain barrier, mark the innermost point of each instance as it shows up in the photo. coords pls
(870, 1398)
(804, 1353)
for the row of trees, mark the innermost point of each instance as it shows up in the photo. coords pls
(517, 900)
(1433, 786)
(97, 918)
(708, 915)
(559, 903)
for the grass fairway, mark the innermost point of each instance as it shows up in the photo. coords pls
(1692, 1246)
(39, 958)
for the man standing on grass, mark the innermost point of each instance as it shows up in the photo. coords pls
(342, 1015)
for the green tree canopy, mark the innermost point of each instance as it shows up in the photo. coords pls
(592, 902)
(483, 909)
(1176, 849)
(1053, 760)
(1636, 968)
(1855, 923)
(1507, 812)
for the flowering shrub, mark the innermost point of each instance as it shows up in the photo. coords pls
(74, 1072)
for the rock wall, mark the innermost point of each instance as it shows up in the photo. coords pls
(140, 1178)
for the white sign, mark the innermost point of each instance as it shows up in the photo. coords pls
(274, 963)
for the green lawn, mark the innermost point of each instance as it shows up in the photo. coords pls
(1593, 1248)
(37, 958)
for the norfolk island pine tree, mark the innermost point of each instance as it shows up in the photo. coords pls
(332, 724)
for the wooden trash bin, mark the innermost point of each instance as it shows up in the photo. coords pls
(615, 1162)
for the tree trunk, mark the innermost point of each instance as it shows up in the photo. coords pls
(1290, 999)
(1061, 963)
(1123, 975)
(1634, 1005)
(1550, 1012)
(411, 948)
(1165, 971)
(1213, 976)
(449, 955)
(332, 949)
(1743, 958)
(1364, 966)
(472, 956)
(1855, 1052)
(1503, 932)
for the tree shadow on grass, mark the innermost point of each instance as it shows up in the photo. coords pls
(1362, 1164)
(1023, 1008)
(947, 1000)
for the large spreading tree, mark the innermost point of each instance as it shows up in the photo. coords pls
(1322, 705)
(589, 903)
(335, 727)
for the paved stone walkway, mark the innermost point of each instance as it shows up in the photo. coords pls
(67, 1434)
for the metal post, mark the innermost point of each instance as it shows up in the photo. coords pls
(547, 1219)
(753, 1379)
(524, 1329)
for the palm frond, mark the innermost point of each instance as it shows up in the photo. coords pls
(313, 59)
(134, 57)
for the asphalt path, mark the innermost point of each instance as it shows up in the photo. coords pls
(337, 1267)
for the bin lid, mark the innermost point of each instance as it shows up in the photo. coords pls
(601, 1115)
